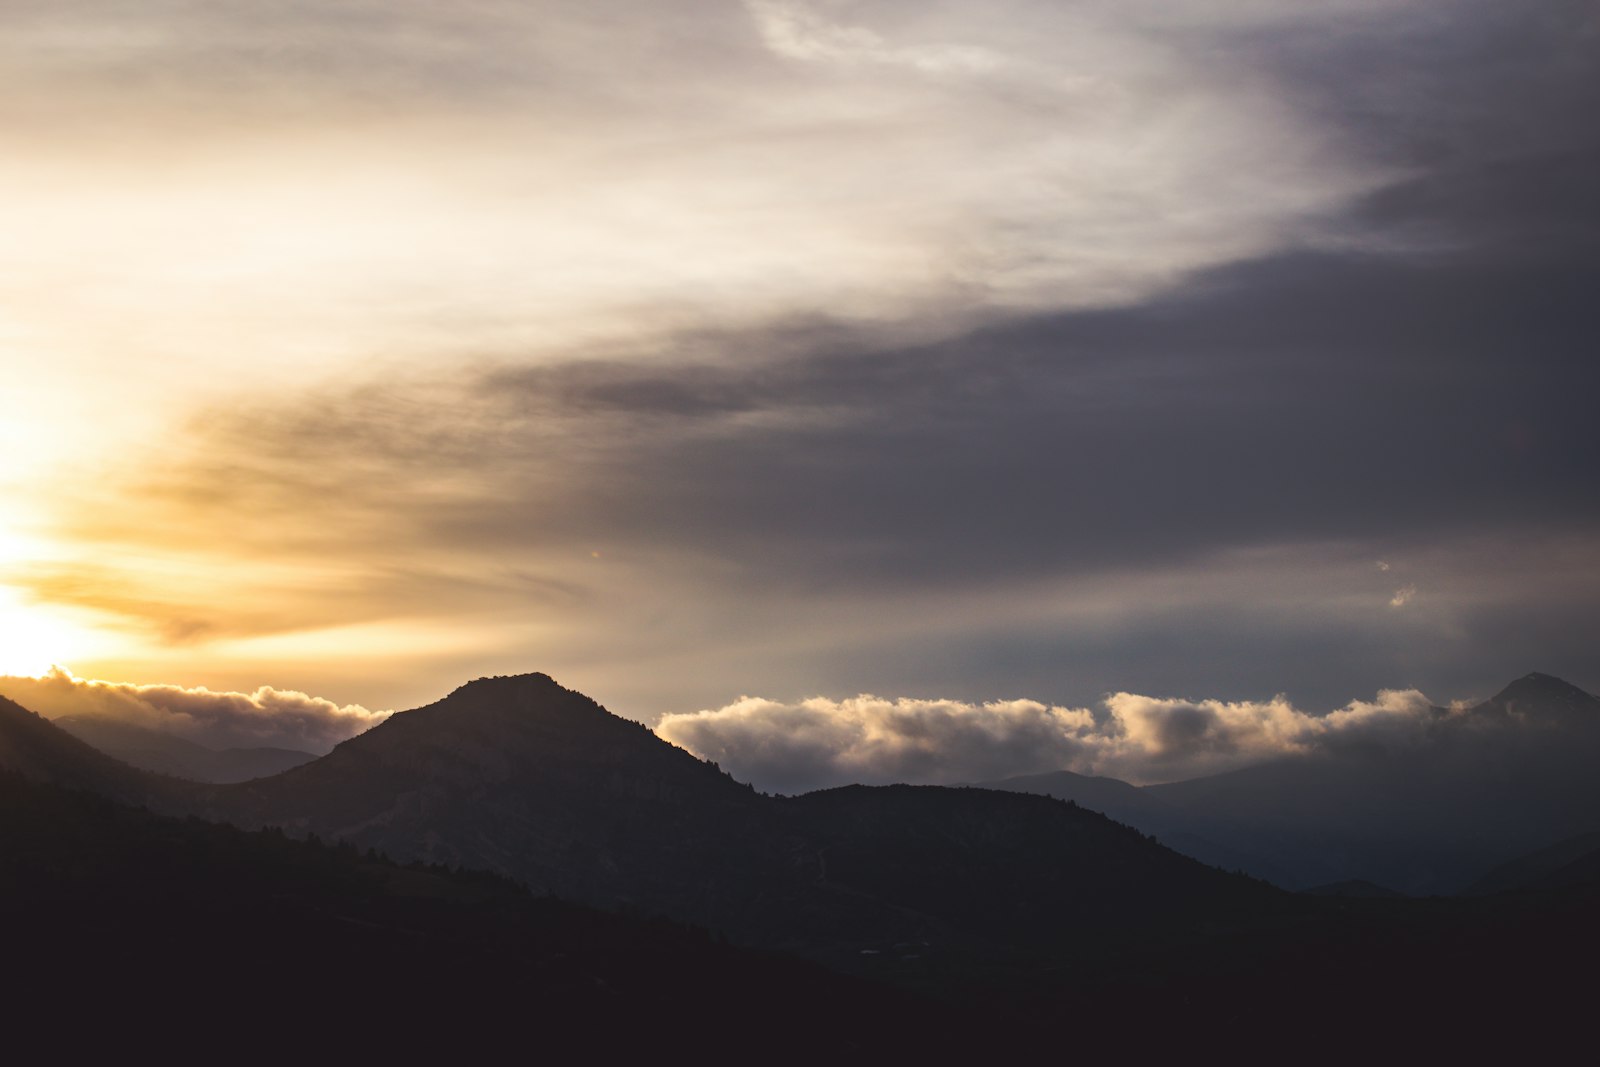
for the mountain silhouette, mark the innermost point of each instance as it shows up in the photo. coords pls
(1118, 799)
(527, 779)
(1489, 782)
(1574, 861)
(216, 937)
(164, 753)
(36, 748)
(1544, 698)
(519, 776)
(1017, 911)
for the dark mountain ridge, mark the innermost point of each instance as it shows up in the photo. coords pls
(1021, 911)
(536, 782)
(36, 748)
(144, 923)
(515, 775)
(1574, 861)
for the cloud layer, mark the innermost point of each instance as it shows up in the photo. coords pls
(267, 717)
(817, 743)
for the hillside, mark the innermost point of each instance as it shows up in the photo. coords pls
(1430, 815)
(538, 783)
(164, 753)
(220, 939)
(36, 748)
(1013, 912)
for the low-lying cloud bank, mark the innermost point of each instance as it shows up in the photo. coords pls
(817, 743)
(267, 717)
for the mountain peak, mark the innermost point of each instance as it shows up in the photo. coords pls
(527, 729)
(509, 683)
(1541, 693)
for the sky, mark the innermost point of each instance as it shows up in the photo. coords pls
(724, 355)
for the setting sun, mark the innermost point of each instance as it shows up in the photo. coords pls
(32, 641)
(33, 637)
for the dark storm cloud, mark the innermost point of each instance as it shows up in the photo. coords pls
(1302, 398)
(1314, 397)
(1488, 106)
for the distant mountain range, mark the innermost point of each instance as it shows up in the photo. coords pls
(1493, 781)
(1000, 916)
(165, 753)
(520, 776)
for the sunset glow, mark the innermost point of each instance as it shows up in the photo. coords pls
(937, 528)
(798, 346)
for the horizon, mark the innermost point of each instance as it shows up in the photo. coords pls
(805, 361)
(813, 743)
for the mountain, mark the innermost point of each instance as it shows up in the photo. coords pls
(1010, 870)
(1514, 770)
(1356, 888)
(36, 748)
(1130, 804)
(1542, 698)
(1112, 797)
(1574, 861)
(218, 938)
(522, 777)
(164, 753)
(527, 779)
(1021, 915)
(1489, 781)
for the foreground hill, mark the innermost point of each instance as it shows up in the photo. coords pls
(123, 924)
(219, 939)
(1115, 798)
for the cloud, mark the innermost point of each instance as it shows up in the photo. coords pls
(1069, 491)
(799, 30)
(1403, 596)
(500, 174)
(267, 717)
(792, 747)
(1154, 460)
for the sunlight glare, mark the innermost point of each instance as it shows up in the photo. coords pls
(33, 637)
